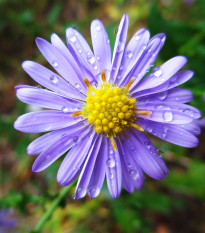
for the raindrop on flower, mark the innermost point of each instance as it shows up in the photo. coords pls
(95, 67)
(111, 175)
(116, 31)
(64, 109)
(76, 85)
(93, 191)
(108, 41)
(159, 151)
(97, 27)
(54, 63)
(110, 151)
(79, 51)
(72, 38)
(144, 47)
(110, 163)
(162, 95)
(74, 26)
(147, 144)
(129, 54)
(54, 79)
(75, 139)
(81, 192)
(164, 135)
(137, 37)
(149, 129)
(98, 58)
(168, 116)
(120, 46)
(133, 174)
(129, 165)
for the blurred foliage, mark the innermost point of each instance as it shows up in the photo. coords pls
(176, 204)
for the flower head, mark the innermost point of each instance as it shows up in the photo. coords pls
(102, 106)
(6, 223)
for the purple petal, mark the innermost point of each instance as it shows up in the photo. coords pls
(101, 46)
(146, 158)
(119, 47)
(161, 74)
(42, 121)
(43, 142)
(74, 159)
(133, 52)
(175, 134)
(175, 80)
(171, 107)
(146, 60)
(167, 116)
(59, 63)
(98, 174)
(81, 47)
(50, 80)
(131, 169)
(58, 43)
(113, 171)
(201, 122)
(59, 147)
(46, 99)
(86, 173)
(174, 95)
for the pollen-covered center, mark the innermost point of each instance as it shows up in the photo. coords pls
(109, 108)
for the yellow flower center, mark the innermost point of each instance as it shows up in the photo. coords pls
(110, 109)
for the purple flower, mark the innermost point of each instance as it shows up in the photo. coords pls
(6, 223)
(101, 107)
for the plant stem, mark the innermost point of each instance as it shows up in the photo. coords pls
(52, 207)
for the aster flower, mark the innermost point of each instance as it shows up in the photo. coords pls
(6, 223)
(101, 107)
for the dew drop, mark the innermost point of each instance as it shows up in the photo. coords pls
(149, 129)
(164, 135)
(110, 163)
(76, 85)
(165, 128)
(75, 139)
(158, 72)
(55, 63)
(97, 27)
(95, 67)
(133, 174)
(121, 67)
(98, 58)
(91, 58)
(159, 151)
(110, 151)
(137, 37)
(120, 47)
(162, 107)
(54, 79)
(162, 95)
(116, 31)
(79, 51)
(129, 54)
(72, 38)
(64, 109)
(108, 41)
(81, 192)
(151, 63)
(147, 144)
(129, 165)
(93, 191)
(111, 175)
(168, 116)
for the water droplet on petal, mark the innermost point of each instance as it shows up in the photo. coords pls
(54, 63)
(95, 67)
(116, 31)
(144, 47)
(162, 95)
(91, 58)
(93, 191)
(120, 46)
(97, 27)
(98, 58)
(129, 165)
(79, 51)
(164, 135)
(75, 139)
(64, 109)
(129, 54)
(110, 151)
(137, 37)
(133, 174)
(111, 175)
(110, 163)
(81, 192)
(54, 79)
(108, 41)
(147, 144)
(165, 128)
(158, 73)
(72, 38)
(162, 107)
(149, 129)
(121, 67)
(168, 116)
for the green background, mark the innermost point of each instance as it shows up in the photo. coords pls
(173, 205)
